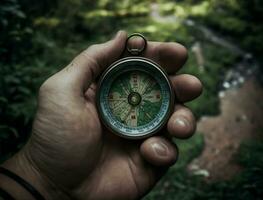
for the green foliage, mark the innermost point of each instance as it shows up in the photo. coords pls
(38, 40)
(20, 76)
(12, 40)
(14, 31)
(240, 19)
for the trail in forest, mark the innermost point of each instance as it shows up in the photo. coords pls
(241, 106)
(241, 118)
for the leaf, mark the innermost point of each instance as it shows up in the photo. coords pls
(3, 100)
(24, 90)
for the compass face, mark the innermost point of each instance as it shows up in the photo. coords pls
(135, 98)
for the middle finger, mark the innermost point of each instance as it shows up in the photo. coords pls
(169, 55)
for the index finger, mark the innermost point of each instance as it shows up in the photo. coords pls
(170, 55)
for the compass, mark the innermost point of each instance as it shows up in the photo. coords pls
(135, 98)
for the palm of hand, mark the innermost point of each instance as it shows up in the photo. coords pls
(75, 142)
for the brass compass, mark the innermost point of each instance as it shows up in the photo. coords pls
(135, 98)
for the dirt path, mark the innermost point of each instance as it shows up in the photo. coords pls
(241, 118)
(241, 115)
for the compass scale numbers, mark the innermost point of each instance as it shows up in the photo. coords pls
(135, 98)
(143, 90)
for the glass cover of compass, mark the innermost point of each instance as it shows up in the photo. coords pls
(135, 98)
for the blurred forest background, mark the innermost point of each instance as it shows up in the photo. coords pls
(225, 41)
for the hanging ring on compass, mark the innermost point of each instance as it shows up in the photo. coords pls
(136, 51)
(134, 95)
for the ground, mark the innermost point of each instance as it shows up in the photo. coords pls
(241, 118)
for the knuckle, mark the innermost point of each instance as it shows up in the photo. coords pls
(91, 48)
(45, 86)
(89, 58)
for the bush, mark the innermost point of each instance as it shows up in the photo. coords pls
(240, 20)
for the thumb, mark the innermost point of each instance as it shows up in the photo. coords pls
(85, 68)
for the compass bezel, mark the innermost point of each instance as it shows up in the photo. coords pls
(120, 66)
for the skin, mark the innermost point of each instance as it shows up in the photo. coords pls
(71, 155)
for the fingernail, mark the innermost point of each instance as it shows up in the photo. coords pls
(181, 122)
(160, 149)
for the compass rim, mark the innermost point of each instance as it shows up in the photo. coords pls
(167, 115)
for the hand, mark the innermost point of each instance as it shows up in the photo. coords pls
(72, 151)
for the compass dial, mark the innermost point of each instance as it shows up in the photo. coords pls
(135, 98)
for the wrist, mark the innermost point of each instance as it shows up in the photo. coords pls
(21, 165)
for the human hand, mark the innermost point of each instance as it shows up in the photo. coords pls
(76, 157)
